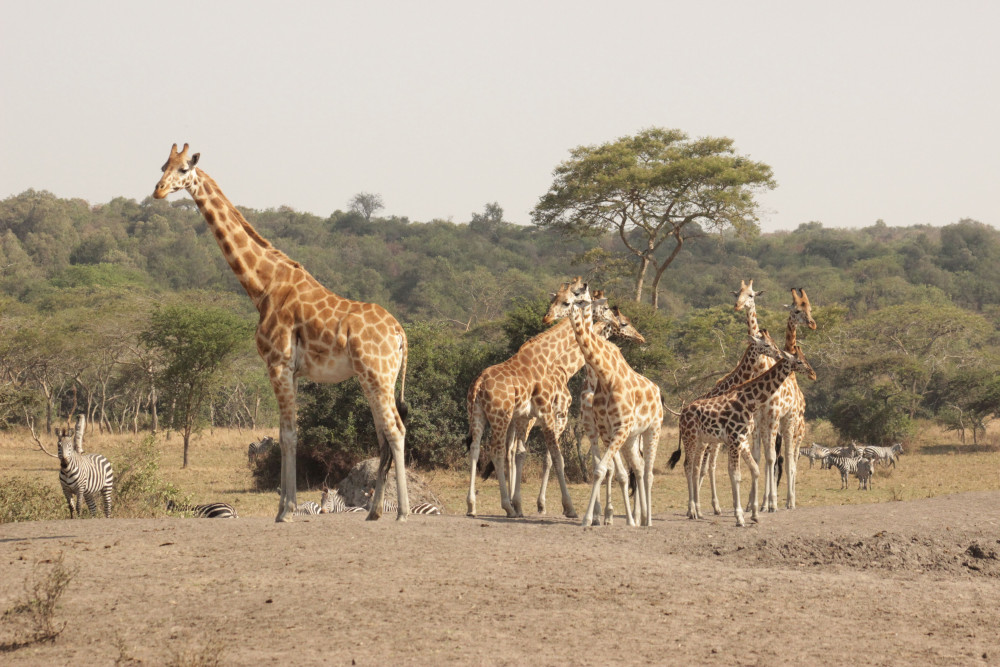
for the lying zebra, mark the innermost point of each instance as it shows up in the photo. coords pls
(331, 502)
(389, 506)
(205, 511)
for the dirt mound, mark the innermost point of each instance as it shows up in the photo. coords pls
(362, 478)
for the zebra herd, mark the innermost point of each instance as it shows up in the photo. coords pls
(853, 459)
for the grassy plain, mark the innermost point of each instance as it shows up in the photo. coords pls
(935, 463)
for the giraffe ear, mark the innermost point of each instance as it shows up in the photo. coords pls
(757, 294)
(194, 159)
(599, 302)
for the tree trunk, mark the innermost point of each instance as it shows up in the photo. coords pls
(639, 279)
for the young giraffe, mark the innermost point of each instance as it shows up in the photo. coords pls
(729, 417)
(627, 406)
(747, 369)
(784, 413)
(760, 346)
(305, 330)
(511, 395)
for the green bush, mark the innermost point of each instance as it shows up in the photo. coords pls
(140, 491)
(30, 500)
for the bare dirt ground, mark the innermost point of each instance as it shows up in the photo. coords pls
(913, 582)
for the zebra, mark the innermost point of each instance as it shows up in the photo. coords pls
(864, 473)
(390, 506)
(883, 455)
(847, 465)
(331, 502)
(83, 476)
(206, 510)
(814, 452)
(258, 449)
(308, 507)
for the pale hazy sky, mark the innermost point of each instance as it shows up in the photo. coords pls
(865, 110)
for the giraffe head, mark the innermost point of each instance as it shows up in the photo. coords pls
(178, 172)
(745, 297)
(798, 362)
(563, 300)
(801, 310)
(623, 327)
(763, 345)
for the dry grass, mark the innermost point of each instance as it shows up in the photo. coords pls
(934, 464)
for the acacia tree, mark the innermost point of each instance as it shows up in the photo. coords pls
(657, 190)
(367, 204)
(194, 343)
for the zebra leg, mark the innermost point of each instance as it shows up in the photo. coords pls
(107, 502)
(91, 503)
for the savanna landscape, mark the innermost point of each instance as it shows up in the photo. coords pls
(905, 573)
(127, 316)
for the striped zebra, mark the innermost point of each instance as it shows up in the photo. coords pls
(206, 510)
(815, 452)
(883, 455)
(83, 476)
(258, 449)
(389, 506)
(331, 502)
(864, 474)
(847, 465)
(308, 507)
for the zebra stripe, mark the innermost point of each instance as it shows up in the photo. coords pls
(864, 474)
(308, 507)
(205, 511)
(257, 449)
(847, 465)
(883, 455)
(83, 476)
(331, 502)
(390, 506)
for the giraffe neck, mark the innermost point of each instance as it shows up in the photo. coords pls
(746, 370)
(759, 390)
(244, 249)
(790, 336)
(752, 328)
(556, 346)
(593, 348)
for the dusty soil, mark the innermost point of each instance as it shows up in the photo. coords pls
(894, 583)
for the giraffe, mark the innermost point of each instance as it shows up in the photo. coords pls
(627, 406)
(760, 346)
(747, 369)
(729, 417)
(305, 330)
(511, 395)
(622, 328)
(784, 413)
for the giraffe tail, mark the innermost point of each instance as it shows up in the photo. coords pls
(676, 456)
(401, 406)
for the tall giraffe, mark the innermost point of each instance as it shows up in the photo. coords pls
(627, 406)
(511, 395)
(621, 328)
(305, 330)
(784, 413)
(728, 417)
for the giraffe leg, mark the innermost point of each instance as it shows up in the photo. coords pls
(651, 440)
(734, 479)
(770, 501)
(754, 476)
(546, 468)
(476, 427)
(599, 471)
(555, 453)
(630, 452)
(692, 461)
(796, 434)
(392, 437)
(517, 436)
(713, 457)
(283, 383)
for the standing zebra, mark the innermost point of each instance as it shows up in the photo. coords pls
(258, 449)
(883, 455)
(205, 511)
(331, 502)
(847, 465)
(83, 476)
(864, 474)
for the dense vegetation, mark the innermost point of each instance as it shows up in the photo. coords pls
(907, 316)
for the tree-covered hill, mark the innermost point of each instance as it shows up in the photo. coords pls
(907, 316)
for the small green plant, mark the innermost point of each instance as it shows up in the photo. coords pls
(29, 500)
(34, 615)
(140, 490)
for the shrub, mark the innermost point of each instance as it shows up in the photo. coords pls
(140, 491)
(30, 500)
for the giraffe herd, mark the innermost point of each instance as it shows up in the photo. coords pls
(305, 330)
